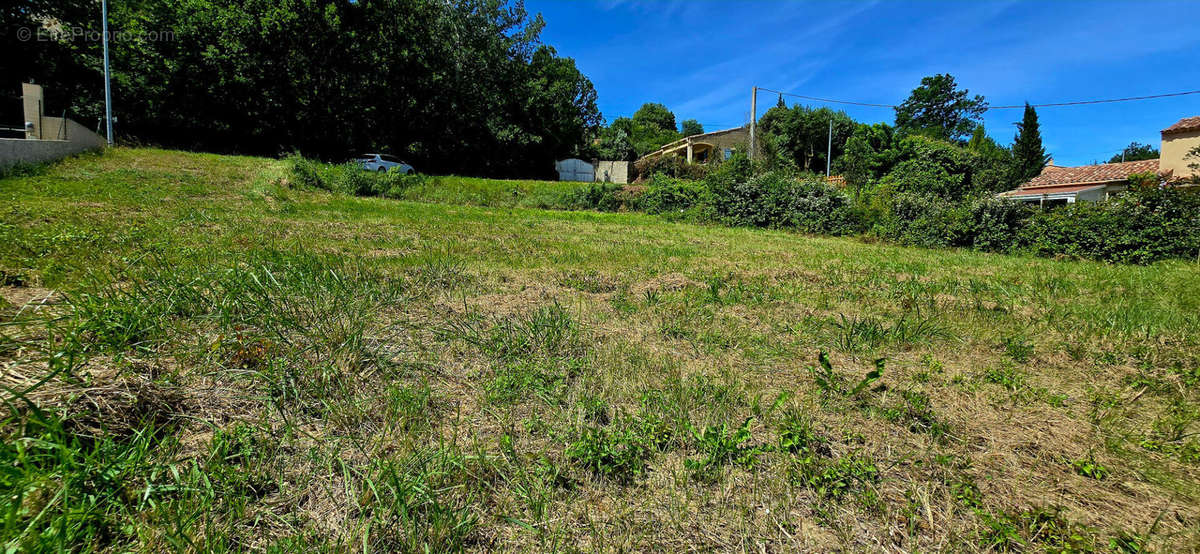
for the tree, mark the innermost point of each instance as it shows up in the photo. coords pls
(691, 127)
(655, 115)
(464, 87)
(991, 163)
(1136, 151)
(1028, 155)
(801, 135)
(938, 108)
(870, 153)
(616, 141)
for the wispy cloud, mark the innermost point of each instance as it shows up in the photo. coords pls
(700, 58)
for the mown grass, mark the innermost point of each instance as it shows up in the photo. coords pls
(198, 355)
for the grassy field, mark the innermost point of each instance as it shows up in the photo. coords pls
(198, 356)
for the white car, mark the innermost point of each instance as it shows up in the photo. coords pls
(382, 163)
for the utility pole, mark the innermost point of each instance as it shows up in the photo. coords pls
(829, 149)
(753, 118)
(107, 85)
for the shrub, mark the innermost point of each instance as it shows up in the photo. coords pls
(997, 223)
(921, 219)
(668, 195)
(305, 171)
(982, 222)
(925, 177)
(669, 165)
(777, 200)
(605, 197)
(1142, 225)
(349, 178)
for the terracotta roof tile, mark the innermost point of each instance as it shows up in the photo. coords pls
(1185, 124)
(1052, 189)
(1089, 174)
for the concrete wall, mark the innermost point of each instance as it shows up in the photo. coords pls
(79, 139)
(34, 151)
(1174, 147)
(609, 171)
(50, 138)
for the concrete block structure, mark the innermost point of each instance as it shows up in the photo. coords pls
(46, 138)
(611, 171)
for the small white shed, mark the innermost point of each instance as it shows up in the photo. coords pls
(574, 169)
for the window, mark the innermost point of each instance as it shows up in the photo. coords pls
(728, 153)
(390, 158)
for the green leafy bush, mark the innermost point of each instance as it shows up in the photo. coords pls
(1145, 224)
(982, 222)
(350, 178)
(997, 223)
(922, 219)
(669, 165)
(604, 197)
(669, 195)
(778, 200)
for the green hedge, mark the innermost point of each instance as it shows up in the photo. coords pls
(349, 178)
(1145, 224)
(1142, 225)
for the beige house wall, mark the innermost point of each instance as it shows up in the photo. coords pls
(1175, 148)
(690, 148)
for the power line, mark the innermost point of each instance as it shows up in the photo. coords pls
(827, 100)
(1082, 102)
(1012, 107)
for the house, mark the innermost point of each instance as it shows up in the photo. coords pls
(1066, 185)
(698, 148)
(1177, 141)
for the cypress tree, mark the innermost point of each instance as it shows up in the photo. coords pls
(1029, 156)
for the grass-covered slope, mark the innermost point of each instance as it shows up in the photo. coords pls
(198, 356)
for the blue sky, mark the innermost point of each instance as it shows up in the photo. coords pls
(700, 58)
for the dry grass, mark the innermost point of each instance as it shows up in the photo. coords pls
(325, 370)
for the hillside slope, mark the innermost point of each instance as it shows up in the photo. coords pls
(199, 356)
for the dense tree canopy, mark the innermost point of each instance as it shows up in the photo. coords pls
(940, 109)
(691, 127)
(869, 153)
(1136, 151)
(799, 136)
(652, 126)
(460, 86)
(653, 114)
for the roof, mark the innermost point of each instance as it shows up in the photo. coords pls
(1049, 191)
(683, 141)
(1054, 175)
(1184, 125)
